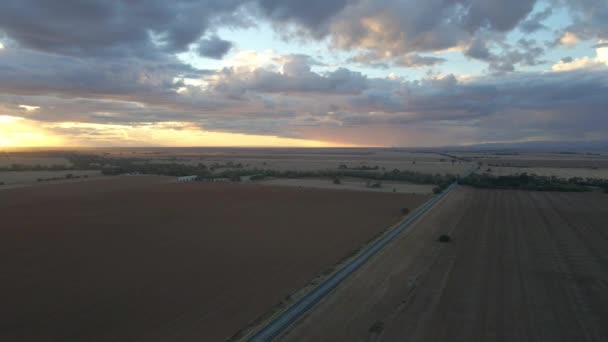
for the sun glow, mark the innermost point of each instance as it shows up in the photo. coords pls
(21, 132)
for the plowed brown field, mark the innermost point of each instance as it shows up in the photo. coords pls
(523, 266)
(143, 259)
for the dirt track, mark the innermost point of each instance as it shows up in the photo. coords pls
(524, 266)
(141, 259)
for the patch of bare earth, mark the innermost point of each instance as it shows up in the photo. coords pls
(144, 259)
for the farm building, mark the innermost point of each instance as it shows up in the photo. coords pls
(186, 178)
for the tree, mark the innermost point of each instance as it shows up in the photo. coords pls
(444, 238)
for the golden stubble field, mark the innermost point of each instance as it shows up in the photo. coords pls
(563, 165)
(522, 266)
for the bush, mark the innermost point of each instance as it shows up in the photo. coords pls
(405, 211)
(444, 238)
(436, 190)
(337, 181)
(1, 183)
(376, 327)
(257, 177)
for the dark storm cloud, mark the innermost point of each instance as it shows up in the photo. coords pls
(38, 73)
(214, 47)
(314, 15)
(110, 27)
(498, 15)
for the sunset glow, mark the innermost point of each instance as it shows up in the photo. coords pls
(288, 73)
(19, 132)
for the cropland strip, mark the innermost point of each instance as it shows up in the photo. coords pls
(142, 259)
(522, 266)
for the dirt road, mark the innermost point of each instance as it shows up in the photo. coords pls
(523, 266)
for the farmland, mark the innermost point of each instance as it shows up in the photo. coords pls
(145, 258)
(11, 179)
(522, 266)
(7, 160)
(351, 184)
(563, 165)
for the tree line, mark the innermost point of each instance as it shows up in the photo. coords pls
(534, 182)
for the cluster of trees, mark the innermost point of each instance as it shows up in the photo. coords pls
(37, 167)
(68, 176)
(534, 182)
(228, 165)
(395, 175)
(359, 168)
(121, 165)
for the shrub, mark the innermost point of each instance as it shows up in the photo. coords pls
(376, 327)
(405, 211)
(436, 190)
(444, 238)
(337, 181)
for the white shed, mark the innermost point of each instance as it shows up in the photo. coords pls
(186, 179)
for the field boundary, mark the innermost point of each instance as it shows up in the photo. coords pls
(281, 321)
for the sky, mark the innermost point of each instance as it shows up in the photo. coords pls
(309, 73)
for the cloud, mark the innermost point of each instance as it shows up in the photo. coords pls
(590, 18)
(313, 15)
(534, 23)
(375, 60)
(214, 47)
(29, 72)
(113, 63)
(526, 52)
(112, 27)
(598, 62)
(415, 60)
(295, 77)
(569, 39)
(411, 26)
(299, 103)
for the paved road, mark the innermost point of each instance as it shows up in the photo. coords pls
(283, 321)
(523, 266)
